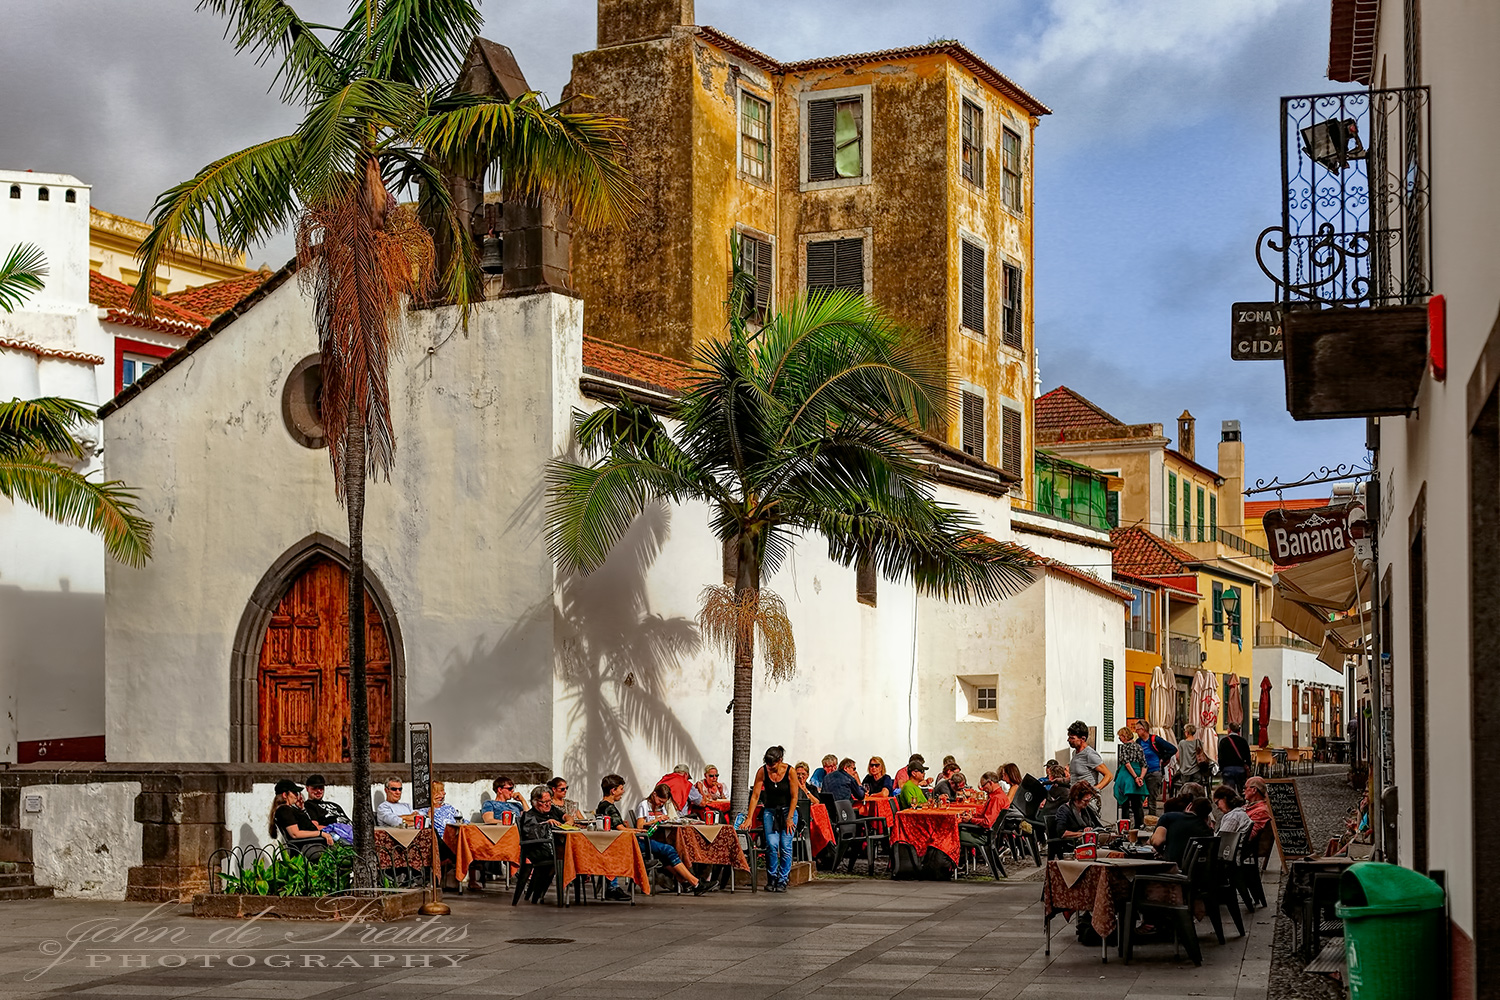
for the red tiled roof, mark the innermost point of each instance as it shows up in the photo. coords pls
(1351, 40)
(1257, 509)
(1063, 408)
(107, 293)
(50, 352)
(1140, 553)
(218, 296)
(1088, 579)
(654, 370)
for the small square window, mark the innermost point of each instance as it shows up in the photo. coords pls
(836, 264)
(134, 367)
(755, 137)
(985, 699)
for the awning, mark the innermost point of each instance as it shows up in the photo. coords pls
(1298, 618)
(1337, 582)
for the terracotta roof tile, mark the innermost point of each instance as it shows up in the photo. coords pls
(1063, 408)
(218, 296)
(170, 317)
(50, 352)
(1256, 509)
(1088, 579)
(1140, 553)
(654, 370)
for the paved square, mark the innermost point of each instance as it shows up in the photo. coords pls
(830, 940)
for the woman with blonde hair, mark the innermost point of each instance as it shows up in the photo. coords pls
(878, 784)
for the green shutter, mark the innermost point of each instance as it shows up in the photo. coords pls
(1218, 620)
(1172, 504)
(1213, 518)
(1109, 701)
(1140, 701)
(1200, 513)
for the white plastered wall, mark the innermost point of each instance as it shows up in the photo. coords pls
(85, 838)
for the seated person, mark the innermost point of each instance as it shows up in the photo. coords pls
(911, 791)
(291, 822)
(613, 790)
(1176, 828)
(442, 812)
(327, 814)
(654, 808)
(975, 832)
(803, 777)
(1078, 813)
(842, 783)
(684, 795)
(878, 784)
(830, 765)
(711, 788)
(1234, 817)
(506, 801)
(1256, 806)
(905, 773)
(537, 824)
(1010, 779)
(564, 809)
(953, 786)
(393, 812)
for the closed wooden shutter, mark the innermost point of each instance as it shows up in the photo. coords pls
(1112, 508)
(1200, 514)
(1011, 290)
(973, 287)
(972, 431)
(820, 140)
(1109, 699)
(1172, 503)
(1010, 444)
(765, 272)
(1213, 518)
(835, 264)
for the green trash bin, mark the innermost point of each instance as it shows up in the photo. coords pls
(1394, 932)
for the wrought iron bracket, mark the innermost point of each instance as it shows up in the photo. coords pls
(1337, 473)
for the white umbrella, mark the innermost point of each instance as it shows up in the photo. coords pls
(1160, 710)
(1203, 708)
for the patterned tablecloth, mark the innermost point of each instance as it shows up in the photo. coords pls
(402, 847)
(1096, 887)
(924, 828)
(877, 809)
(471, 842)
(613, 854)
(702, 844)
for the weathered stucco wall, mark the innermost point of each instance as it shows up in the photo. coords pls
(86, 838)
(1083, 630)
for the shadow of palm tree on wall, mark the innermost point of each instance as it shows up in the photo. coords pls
(616, 660)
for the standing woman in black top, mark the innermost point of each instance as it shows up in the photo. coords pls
(779, 788)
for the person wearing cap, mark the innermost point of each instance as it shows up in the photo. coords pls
(392, 812)
(291, 821)
(911, 789)
(905, 772)
(327, 814)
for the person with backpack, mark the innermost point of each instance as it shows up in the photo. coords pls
(1234, 757)
(1158, 751)
(1192, 760)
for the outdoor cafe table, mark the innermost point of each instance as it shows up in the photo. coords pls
(936, 826)
(471, 842)
(404, 847)
(610, 853)
(879, 810)
(822, 828)
(1099, 887)
(704, 844)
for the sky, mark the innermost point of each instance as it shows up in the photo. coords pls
(1154, 174)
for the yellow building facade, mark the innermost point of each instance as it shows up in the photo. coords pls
(115, 240)
(903, 175)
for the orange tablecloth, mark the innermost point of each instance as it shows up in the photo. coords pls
(924, 828)
(469, 843)
(880, 809)
(822, 828)
(618, 857)
(695, 849)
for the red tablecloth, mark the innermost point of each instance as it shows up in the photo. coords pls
(615, 854)
(924, 828)
(822, 828)
(880, 809)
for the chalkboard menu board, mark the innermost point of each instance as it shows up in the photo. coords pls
(1287, 817)
(421, 768)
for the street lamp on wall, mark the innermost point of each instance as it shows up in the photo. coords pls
(1230, 602)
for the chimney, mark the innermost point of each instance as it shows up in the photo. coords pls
(624, 21)
(1185, 435)
(1232, 471)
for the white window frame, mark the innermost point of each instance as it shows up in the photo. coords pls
(769, 181)
(137, 359)
(866, 138)
(867, 234)
(966, 698)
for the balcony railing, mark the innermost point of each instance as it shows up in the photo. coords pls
(1184, 653)
(1241, 545)
(1266, 635)
(1140, 639)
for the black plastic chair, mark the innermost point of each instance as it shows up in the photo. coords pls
(531, 861)
(990, 846)
(1168, 899)
(853, 835)
(1219, 888)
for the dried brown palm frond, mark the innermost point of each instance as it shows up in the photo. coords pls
(361, 257)
(725, 616)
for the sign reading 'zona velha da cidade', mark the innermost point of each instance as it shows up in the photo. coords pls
(1295, 536)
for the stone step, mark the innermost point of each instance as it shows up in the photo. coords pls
(8, 879)
(25, 892)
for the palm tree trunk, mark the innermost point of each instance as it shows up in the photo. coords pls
(746, 585)
(359, 702)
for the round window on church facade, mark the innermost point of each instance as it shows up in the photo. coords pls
(302, 403)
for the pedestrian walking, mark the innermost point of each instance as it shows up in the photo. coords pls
(1234, 757)
(1158, 751)
(776, 792)
(1192, 760)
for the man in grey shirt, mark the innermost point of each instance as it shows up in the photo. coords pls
(1086, 764)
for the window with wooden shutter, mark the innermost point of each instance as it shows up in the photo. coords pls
(865, 578)
(1218, 610)
(1010, 154)
(973, 286)
(1187, 510)
(1010, 442)
(834, 264)
(755, 137)
(1112, 508)
(1172, 504)
(1109, 699)
(1201, 514)
(1010, 290)
(1213, 518)
(972, 431)
(835, 138)
(757, 261)
(971, 143)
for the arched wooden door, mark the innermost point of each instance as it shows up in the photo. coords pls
(304, 672)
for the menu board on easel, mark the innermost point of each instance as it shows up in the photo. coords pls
(1288, 819)
(421, 768)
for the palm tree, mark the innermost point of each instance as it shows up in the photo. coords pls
(33, 430)
(380, 114)
(810, 424)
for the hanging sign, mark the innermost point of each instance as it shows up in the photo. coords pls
(1255, 332)
(1295, 536)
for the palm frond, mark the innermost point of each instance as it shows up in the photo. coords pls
(725, 617)
(249, 196)
(529, 150)
(335, 133)
(420, 42)
(21, 274)
(42, 426)
(590, 507)
(270, 29)
(461, 282)
(107, 509)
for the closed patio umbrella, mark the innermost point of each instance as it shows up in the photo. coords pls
(1234, 707)
(1204, 710)
(1263, 714)
(1161, 709)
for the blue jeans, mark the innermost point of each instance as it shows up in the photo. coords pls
(666, 853)
(1235, 778)
(778, 844)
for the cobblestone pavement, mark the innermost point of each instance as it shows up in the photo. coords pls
(1326, 800)
(863, 939)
